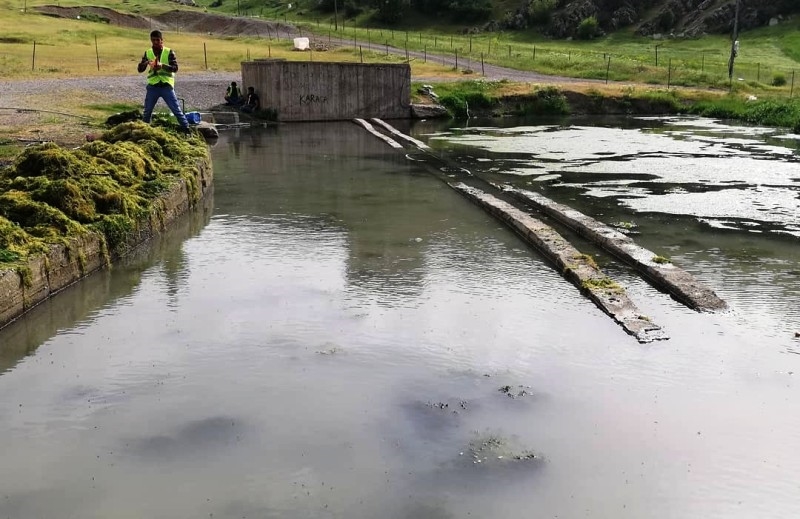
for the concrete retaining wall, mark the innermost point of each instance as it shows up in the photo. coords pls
(64, 264)
(308, 91)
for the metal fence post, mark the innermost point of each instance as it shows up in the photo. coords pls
(669, 72)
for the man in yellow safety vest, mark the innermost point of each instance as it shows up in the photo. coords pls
(161, 65)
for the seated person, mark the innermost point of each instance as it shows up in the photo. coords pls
(252, 103)
(233, 96)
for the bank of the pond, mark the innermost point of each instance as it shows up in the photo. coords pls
(502, 98)
(65, 213)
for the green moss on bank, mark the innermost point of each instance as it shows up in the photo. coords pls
(49, 194)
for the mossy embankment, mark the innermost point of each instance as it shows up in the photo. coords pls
(501, 98)
(67, 212)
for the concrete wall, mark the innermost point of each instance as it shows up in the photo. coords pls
(309, 91)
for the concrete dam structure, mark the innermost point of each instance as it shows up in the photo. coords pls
(309, 91)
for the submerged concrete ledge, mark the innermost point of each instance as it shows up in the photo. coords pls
(664, 275)
(41, 276)
(578, 268)
(371, 129)
(400, 135)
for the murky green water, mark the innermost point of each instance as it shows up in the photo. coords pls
(337, 335)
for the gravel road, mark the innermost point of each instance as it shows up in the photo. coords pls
(199, 90)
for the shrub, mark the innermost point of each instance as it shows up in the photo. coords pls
(588, 28)
(778, 80)
(470, 10)
(391, 11)
(666, 20)
(546, 101)
(552, 101)
(539, 11)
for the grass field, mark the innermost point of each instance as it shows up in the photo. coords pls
(33, 45)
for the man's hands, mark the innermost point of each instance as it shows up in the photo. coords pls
(154, 65)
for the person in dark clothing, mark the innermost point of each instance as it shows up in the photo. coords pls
(161, 65)
(233, 96)
(253, 103)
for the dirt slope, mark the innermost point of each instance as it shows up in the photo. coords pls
(183, 20)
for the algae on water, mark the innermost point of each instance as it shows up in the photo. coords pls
(50, 193)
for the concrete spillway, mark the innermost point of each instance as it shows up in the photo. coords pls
(576, 267)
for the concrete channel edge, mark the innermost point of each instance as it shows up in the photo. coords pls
(666, 276)
(65, 264)
(579, 269)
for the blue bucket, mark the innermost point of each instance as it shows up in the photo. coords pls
(193, 117)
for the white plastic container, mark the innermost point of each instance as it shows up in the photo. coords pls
(301, 44)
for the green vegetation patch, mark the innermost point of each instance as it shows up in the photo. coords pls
(459, 98)
(769, 112)
(605, 284)
(50, 193)
(588, 260)
(545, 101)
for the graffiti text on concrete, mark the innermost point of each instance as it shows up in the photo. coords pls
(307, 99)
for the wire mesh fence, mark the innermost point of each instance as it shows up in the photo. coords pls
(660, 66)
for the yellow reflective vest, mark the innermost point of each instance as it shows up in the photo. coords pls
(155, 77)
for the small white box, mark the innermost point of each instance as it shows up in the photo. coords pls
(301, 43)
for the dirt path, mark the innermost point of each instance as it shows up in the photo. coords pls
(198, 90)
(66, 96)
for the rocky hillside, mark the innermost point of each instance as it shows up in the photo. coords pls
(681, 18)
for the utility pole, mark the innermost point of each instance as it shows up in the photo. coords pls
(734, 45)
